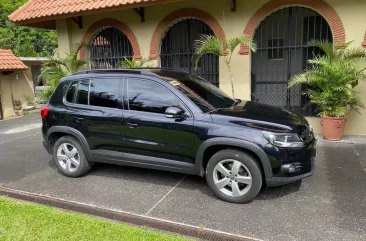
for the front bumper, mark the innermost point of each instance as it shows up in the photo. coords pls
(279, 181)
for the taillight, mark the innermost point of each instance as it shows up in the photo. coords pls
(44, 111)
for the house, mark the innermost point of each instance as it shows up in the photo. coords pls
(165, 30)
(15, 82)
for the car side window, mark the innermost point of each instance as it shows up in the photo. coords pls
(71, 92)
(82, 94)
(104, 92)
(148, 96)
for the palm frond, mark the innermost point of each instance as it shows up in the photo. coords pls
(325, 46)
(233, 43)
(207, 44)
(356, 53)
(126, 63)
(58, 67)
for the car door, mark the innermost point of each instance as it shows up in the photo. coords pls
(95, 111)
(148, 133)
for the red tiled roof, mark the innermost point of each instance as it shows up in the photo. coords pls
(9, 62)
(36, 11)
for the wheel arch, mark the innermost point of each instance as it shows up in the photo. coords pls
(233, 143)
(58, 131)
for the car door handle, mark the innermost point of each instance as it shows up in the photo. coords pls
(132, 125)
(78, 119)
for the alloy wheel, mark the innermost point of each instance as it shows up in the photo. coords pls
(232, 178)
(68, 157)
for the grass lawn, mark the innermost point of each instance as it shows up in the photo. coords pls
(25, 221)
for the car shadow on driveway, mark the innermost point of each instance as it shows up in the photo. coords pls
(163, 177)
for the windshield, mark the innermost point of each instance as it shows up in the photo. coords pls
(204, 94)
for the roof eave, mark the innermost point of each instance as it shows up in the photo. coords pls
(13, 70)
(49, 22)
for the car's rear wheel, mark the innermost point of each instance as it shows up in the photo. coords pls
(69, 157)
(234, 176)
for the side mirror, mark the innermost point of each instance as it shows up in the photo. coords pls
(174, 112)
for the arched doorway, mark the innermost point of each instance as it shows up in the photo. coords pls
(108, 47)
(177, 49)
(283, 51)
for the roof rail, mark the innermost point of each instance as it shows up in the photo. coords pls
(161, 68)
(142, 70)
(116, 71)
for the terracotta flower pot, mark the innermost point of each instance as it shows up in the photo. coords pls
(333, 127)
(17, 107)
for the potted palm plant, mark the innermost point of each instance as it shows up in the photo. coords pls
(331, 82)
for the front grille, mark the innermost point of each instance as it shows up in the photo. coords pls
(307, 135)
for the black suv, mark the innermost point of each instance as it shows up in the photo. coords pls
(175, 121)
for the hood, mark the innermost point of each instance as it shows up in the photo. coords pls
(261, 116)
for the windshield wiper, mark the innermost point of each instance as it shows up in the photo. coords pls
(215, 110)
(237, 101)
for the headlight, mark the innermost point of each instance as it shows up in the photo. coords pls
(283, 139)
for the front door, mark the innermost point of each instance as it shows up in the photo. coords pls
(148, 132)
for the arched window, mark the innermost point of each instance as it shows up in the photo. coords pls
(177, 49)
(283, 51)
(109, 47)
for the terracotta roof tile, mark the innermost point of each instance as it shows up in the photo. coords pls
(9, 62)
(45, 10)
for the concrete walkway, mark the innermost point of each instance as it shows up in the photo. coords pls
(331, 205)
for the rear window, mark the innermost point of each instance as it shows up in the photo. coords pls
(95, 92)
(104, 92)
(83, 89)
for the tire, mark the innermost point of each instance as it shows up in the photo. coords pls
(73, 170)
(246, 190)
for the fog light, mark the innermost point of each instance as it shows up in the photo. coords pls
(289, 168)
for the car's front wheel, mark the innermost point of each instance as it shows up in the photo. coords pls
(70, 158)
(234, 176)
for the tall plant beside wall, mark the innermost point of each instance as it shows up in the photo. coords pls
(58, 67)
(210, 44)
(331, 82)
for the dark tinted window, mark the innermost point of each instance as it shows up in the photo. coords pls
(104, 92)
(204, 94)
(82, 95)
(71, 92)
(149, 96)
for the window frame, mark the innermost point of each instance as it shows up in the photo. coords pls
(126, 105)
(119, 99)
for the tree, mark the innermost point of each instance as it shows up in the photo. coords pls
(24, 41)
(332, 78)
(210, 44)
(58, 67)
